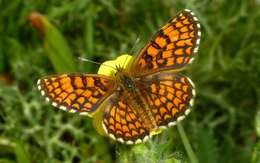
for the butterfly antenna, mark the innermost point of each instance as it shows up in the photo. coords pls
(132, 49)
(135, 43)
(98, 63)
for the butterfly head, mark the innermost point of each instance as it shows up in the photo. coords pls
(124, 78)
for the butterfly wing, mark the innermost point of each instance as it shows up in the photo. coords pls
(172, 47)
(76, 92)
(121, 122)
(170, 96)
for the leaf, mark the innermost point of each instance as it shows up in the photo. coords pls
(207, 150)
(21, 153)
(257, 123)
(256, 154)
(55, 45)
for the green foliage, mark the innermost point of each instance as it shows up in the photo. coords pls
(21, 153)
(57, 48)
(256, 153)
(223, 126)
(207, 149)
(161, 149)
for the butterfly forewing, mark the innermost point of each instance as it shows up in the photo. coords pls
(76, 92)
(172, 47)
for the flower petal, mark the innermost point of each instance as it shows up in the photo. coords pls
(109, 67)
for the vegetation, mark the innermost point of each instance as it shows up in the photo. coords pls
(224, 125)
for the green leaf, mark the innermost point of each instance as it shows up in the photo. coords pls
(21, 153)
(57, 49)
(55, 44)
(257, 123)
(256, 153)
(207, 150)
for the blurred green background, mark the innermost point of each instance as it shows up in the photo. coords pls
(224, 125)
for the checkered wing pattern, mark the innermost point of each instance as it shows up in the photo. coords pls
(170, 96)
(121, 122)
(76, 92)
(172, 47)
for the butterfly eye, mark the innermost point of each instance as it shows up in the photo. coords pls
(129, 85)
(126, 81)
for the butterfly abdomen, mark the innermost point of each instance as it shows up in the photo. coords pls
(143, 110)
(135, 98)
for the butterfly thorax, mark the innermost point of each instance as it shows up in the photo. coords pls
(133, 95)
(126, 82)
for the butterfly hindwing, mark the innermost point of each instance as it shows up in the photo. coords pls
(172, 47)
(170, 96)
(121, 122)
(76, 92)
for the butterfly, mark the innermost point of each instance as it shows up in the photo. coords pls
(143, 98)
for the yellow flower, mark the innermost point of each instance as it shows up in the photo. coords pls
(108, 68)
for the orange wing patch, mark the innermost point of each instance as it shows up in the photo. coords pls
(122, 123)
(172, 47)
(76, 92)
(169, 95)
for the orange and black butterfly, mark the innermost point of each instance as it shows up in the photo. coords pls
(145, 97)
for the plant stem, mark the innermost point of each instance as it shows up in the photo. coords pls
(193, 158)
